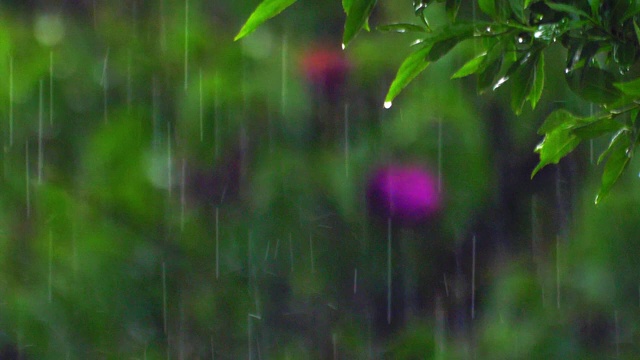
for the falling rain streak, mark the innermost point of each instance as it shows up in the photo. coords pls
(129, 82)
(283, 89)
(473, 278)
(105, 85)
(291, 252)
(11, 101)
(439, 155)
(200, 105)
(217, 243)
(27, 178)
(50, 287)
(164, 299)
(312, 258)
(183, 199)
(346, 140)
(186, 45)
(389, 271)
(355, 281)
(40, 133)
(558, 272)
(51, 88)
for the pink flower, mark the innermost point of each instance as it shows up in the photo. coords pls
(404, 193)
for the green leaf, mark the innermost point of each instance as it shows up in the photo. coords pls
(527, 3)
(488, 7)
(441, 48)
(538, 82)
(452, 7)
(567, 9)
(597, 127)
(563, 132)
(581, 53)
(432, 48)
(460, 32)
(402, 28)
(490, 67)
(635, 10)
(556, 145)
(637, 30)
(488, 76)
(357, 17)
(523, 80)
(593, 84)
(470, 67)
(265, 11)
(630, 88)
(411, 67)
(595, 6)
(517, 6)
(346, 5)
(609, 148)
(624, 54)
(556, 119)
(619, 155)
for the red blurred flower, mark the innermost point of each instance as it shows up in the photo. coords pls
(326, 70)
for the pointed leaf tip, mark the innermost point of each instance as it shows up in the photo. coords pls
(265, 11)
(357, 16)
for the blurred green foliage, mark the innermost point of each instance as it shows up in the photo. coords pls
(169, 193)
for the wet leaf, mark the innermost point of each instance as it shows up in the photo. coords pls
(556, 145)
(488, 76)
(597, 127)
(609, 148)
(432, 48)
(564, 131)
(265, 11)
(490, 67)
(635, 10)
(441, 48)
(488, 7)
(619, 152)
(517, 6)
(452, 7)
(618, 9)
(593, 84)
(567, 9)
(556, 119)
(624, 54)
(411, 67)
(538, 82)
(357, 17)
(631, 88)
(580, 53)
(550, 32)
(346, 5)
(595, 6)
(523, 79)
(402, 28)
(470, 67)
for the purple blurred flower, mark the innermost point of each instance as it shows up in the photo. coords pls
(404, 193)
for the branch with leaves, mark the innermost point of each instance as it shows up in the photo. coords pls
(602, 39)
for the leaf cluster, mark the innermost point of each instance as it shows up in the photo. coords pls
(602, 39)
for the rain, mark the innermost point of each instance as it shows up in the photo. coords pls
(170, 193)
